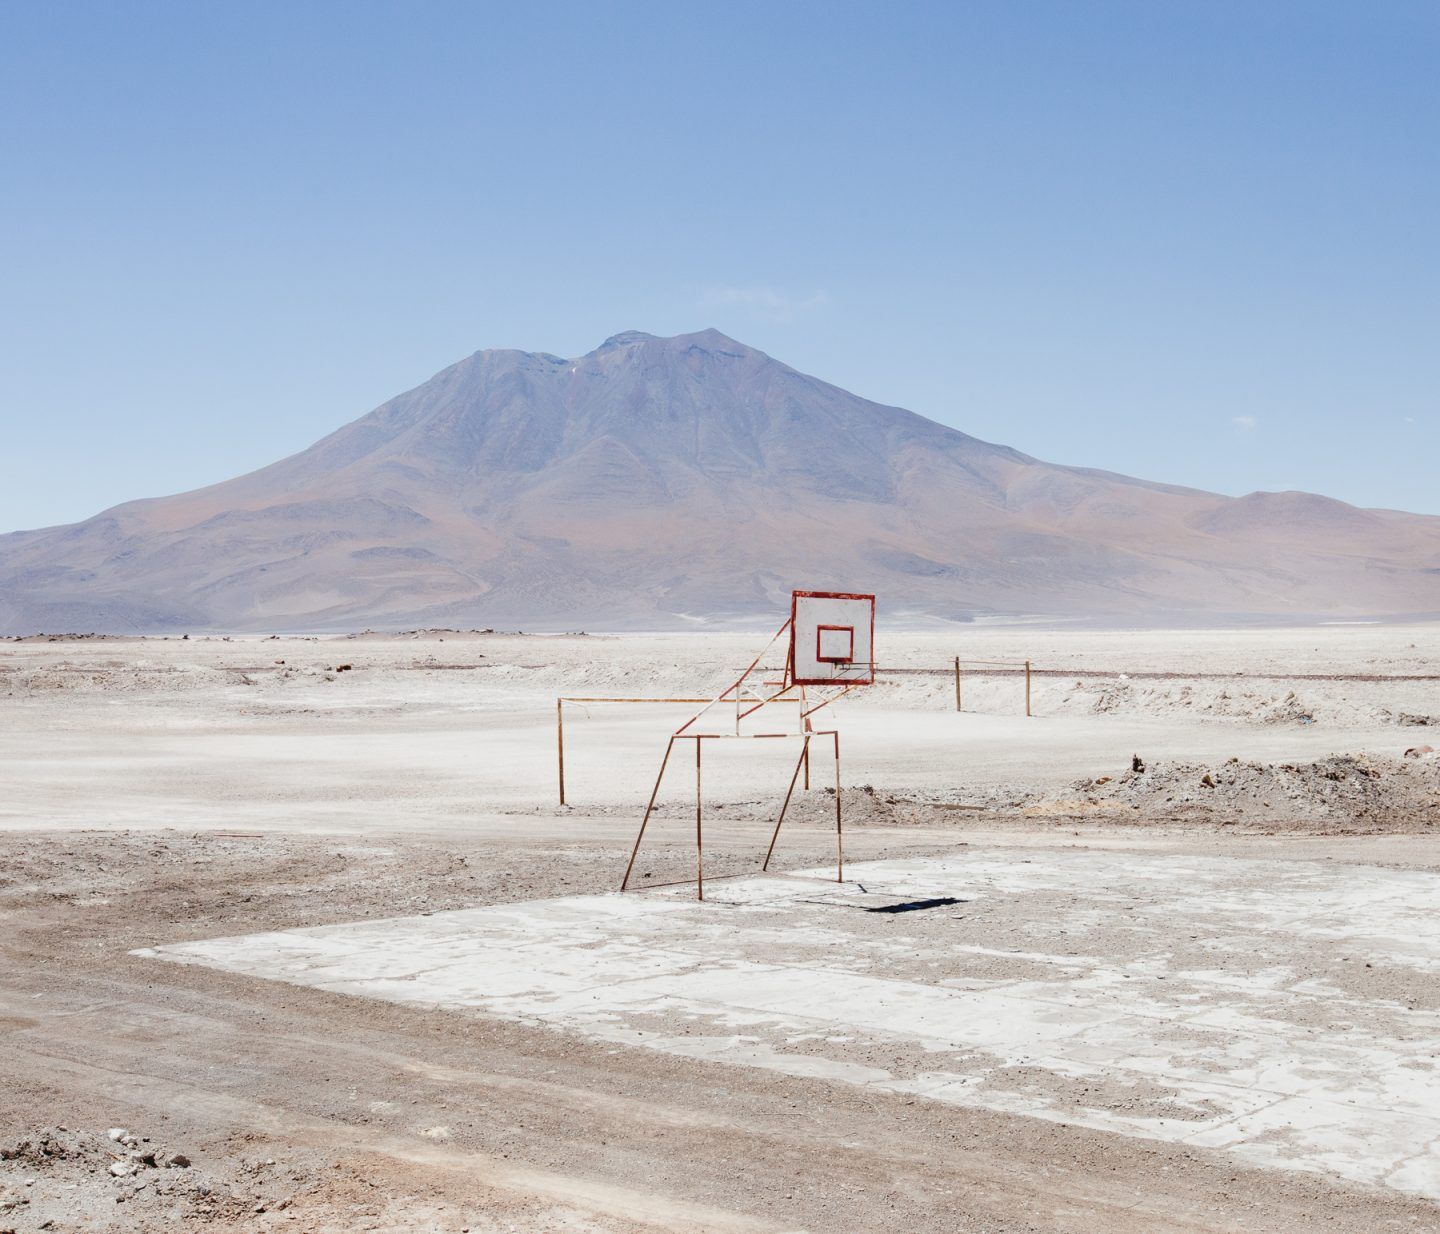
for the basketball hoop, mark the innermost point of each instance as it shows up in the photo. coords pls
(832, 639)
(831, 645)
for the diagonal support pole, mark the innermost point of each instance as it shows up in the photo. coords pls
(802, 761)
(654, 792)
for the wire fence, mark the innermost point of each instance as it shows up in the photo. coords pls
(964, 669)
(980, 667)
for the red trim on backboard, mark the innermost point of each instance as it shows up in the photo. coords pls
(796, 596)
(848, 657)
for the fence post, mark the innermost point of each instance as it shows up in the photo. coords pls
(560, 743)
(957, 684)
(1027, 688)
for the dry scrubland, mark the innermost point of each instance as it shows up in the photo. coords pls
(164, 792)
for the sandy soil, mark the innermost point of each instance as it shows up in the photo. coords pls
(158, 792)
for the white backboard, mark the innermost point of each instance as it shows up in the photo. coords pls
(832, 638)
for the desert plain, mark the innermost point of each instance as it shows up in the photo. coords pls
(295, 934)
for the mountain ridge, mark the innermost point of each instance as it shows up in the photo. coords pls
(653, 479)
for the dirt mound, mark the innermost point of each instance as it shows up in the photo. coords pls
(90, 637)
(1342, 792)
(115, 678)
(57, 1174)
(59, 1178)
(1125, 697)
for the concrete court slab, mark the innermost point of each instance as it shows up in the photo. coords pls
(1282, 1011)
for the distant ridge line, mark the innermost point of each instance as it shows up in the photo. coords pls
(659, 483)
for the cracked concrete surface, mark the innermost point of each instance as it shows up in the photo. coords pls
(1284, 1011)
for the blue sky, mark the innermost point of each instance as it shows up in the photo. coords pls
(1193, 242)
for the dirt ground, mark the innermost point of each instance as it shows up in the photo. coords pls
(155, 793)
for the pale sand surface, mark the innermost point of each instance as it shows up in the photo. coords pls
(1138, 1016)
(424, 735)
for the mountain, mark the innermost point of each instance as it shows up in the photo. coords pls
(657, 482)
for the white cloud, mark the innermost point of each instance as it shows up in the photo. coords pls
(1246, 424)
(767, 303)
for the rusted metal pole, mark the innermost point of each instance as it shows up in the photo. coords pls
(957, 684)
(1027, 687)
(699, 843)
(739, 681)
(560, 743)
(839, 841)
(654, 792)
(560, 723)
(835, 699)
(802, 761)
(805, 727)
(575, 698)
